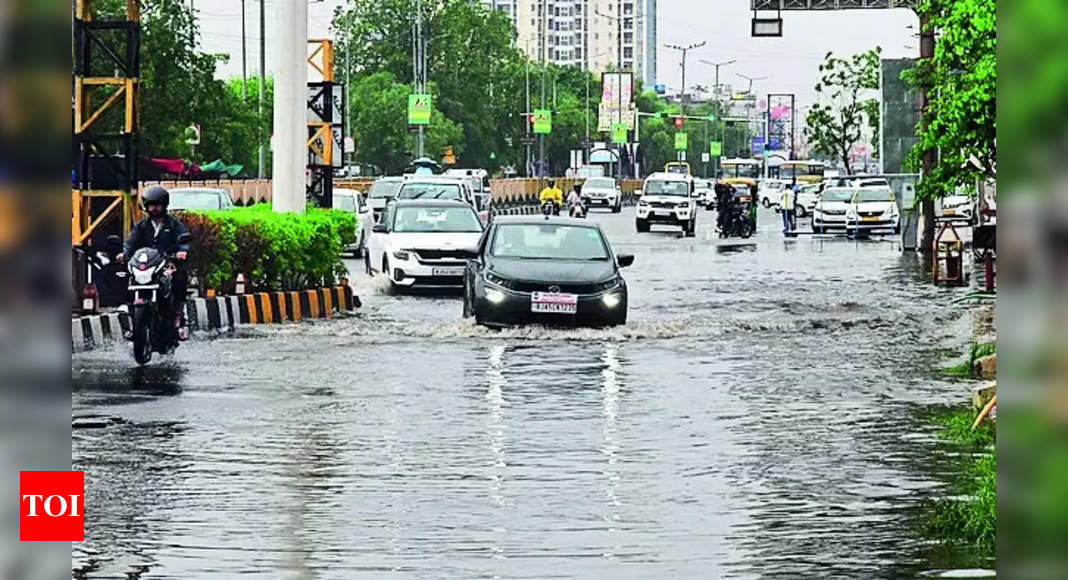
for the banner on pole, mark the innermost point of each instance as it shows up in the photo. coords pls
(419, 109)
(715, 148)
(543, 121)
(619, 133)
(682, 142)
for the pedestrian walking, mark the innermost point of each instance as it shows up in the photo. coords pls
(787, 206)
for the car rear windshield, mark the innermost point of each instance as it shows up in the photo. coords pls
(658, 187)
(195, 200)
(383, 189)
(429, 191)
(549, 242)
(436, 219)
(600, 183)
(837, 194)
(874, 195)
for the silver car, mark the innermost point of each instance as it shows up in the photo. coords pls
(602, 192)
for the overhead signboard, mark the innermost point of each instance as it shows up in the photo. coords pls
(617, 96)
(543, 121)
(419, 108)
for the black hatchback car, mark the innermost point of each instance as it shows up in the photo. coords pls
(545, 270)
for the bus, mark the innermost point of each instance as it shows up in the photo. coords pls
(801, 171)
(741, 168)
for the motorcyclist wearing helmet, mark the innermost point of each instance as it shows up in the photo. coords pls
(724, 202)
(161, 231)
(553, 194)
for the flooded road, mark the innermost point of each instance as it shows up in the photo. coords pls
(756, 418)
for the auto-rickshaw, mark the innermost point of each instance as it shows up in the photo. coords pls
(745, 197)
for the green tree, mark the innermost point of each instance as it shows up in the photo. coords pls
(960, 119)
(380, 113)
(833, 129)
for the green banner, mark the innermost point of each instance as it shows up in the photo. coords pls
(715, 148)
(543, 121)
(682, 142)
(419, 109)
(619, 133)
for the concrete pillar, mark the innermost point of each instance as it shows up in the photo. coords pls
(290, 93)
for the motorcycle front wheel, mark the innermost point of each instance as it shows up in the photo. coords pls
(141, 323)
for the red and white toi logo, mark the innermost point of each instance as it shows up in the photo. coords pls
(51, 506)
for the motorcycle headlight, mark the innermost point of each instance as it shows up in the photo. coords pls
(143, 276)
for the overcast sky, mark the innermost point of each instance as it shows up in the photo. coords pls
(790, 62)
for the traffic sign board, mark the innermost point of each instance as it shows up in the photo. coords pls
(543, 121)
(705, 157)
(419, 109)
(682, 142)
(528, 139)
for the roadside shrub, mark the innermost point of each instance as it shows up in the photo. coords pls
(275, 251)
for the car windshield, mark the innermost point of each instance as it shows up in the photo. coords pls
(436, 219)
(874, 195)
(600, 183)
(660, 187)
(196, 200)
(344, 202)
(382, 189)
(429, 191)
(549, 242)
(837, 194)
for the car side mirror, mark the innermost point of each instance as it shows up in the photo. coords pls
(625, 260)
(379, 229)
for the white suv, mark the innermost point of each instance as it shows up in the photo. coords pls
(668, 198)
(424, 243)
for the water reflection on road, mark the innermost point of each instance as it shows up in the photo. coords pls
(755, 418)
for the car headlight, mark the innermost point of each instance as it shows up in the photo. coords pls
(608, 284)
(402, 255)
(612, 300)
(682, 205)
(643, 204)
(498, 281)
(494, 296)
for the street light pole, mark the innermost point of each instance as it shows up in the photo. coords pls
(544, 56)
(719, 108)
(684, 50)
(244, 56)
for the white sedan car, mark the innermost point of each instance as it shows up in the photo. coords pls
(830, 211)
(871, 209)
(424, 243)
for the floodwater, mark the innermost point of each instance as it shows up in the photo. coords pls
(760, 416)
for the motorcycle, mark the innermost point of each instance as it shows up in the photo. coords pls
(152, 306)
(740, 221)
(550, 208)
(577, 210)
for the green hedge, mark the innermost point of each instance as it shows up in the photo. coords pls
(275, 251)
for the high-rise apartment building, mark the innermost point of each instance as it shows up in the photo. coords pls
(601, 34)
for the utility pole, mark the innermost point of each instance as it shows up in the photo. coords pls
(290, 106)
(751, 79)
(544, 56)
(719, 108)
(927, 161)
(419, 64)
(684, 50)
(262, 169)
(526, 114)
(244, 56)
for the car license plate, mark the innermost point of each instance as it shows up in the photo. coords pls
(553, 303)
(869, 219)
(458, 271)
(948, 212)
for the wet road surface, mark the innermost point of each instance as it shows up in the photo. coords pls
(758, 417)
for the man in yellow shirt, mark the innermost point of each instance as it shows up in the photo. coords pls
(553, 194)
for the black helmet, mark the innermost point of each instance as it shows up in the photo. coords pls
(156, 194)
(552, 183)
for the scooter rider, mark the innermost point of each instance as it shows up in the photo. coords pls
(553, 194)
(574, 200)
(162, 231)
(724, 202)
